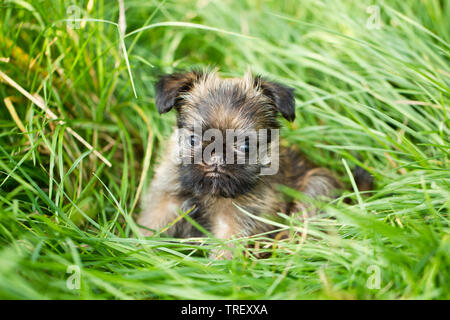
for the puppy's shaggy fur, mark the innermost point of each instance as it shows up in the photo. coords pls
(245, 103)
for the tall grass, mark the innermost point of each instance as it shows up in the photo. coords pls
(368, 94)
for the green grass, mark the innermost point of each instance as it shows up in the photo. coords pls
(378, 98)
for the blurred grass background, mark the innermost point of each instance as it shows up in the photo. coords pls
(369, 92)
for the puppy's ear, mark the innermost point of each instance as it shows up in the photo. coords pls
(281, 95)
(170, 87)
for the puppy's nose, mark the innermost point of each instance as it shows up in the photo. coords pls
(216, 159)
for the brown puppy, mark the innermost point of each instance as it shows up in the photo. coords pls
(215, 185)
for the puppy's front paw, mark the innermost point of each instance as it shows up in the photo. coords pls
(146, 232)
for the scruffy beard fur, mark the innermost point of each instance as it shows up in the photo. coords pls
(237, 103)
(232, 182)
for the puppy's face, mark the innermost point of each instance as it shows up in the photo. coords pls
(220, 122)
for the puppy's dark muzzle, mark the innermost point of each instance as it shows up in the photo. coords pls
(214, 171)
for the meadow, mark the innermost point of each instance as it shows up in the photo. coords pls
(80, 136)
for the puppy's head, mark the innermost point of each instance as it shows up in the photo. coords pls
(209, 111)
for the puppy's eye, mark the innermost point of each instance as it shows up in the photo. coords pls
(193, 140)
(244, 147)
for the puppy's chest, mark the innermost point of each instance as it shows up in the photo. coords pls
(259, 201)
(218, 206)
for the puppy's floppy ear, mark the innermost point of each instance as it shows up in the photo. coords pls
(170, 87)
(281, 95)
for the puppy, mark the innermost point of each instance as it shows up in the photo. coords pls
(214, 187)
